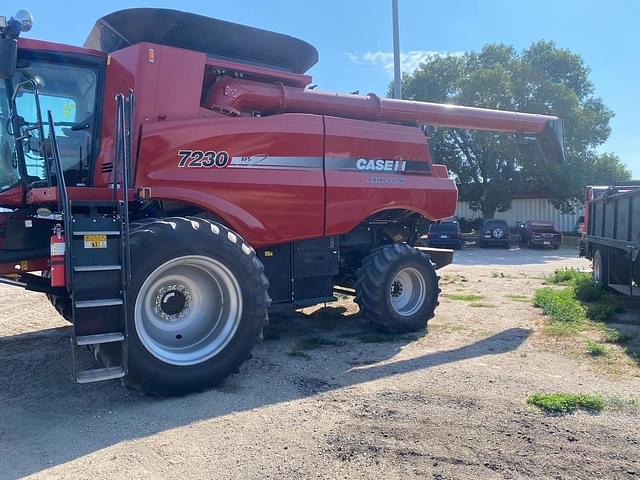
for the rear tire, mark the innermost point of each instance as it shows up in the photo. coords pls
(397, 288)
(197, 303)
(600, 268)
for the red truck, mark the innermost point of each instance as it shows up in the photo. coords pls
(175, 180)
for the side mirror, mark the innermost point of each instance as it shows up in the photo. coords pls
(8, 57)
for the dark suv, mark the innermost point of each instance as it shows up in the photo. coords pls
(445, 234)
(495, 232)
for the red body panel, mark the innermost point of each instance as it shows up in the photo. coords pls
(41, 45)
(354, 195)
(265, 203)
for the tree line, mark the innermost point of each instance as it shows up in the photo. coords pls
(542, 79)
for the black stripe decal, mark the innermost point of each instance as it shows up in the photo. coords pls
(362, 165)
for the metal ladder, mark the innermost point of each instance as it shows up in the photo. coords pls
(97, 257)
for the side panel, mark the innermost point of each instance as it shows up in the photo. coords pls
(372, 167)
(167, 83)
(271, 189)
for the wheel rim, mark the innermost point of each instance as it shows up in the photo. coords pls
(597, 267)
(408, 291)
(498, 233)
(188, 310)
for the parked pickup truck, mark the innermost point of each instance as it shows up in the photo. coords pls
(539, 234)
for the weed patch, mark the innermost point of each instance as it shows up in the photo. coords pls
(518, 298)
(565, 276)
(561, 305)
(465, 297)
(596, 349)
(562, 403)
(481, 305)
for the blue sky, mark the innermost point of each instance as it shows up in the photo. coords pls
(354, 38)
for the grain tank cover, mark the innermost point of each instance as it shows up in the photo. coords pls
(217, 38)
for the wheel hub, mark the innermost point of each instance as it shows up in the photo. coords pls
(396, 288)
(173, 302)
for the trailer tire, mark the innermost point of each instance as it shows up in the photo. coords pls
(397, 288)
(197, 304)
(600, 268)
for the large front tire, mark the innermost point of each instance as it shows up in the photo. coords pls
(397, 288)
(197, 303)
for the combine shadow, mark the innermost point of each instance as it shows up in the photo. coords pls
(48, 421)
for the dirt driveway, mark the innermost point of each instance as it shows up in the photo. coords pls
(324, 397)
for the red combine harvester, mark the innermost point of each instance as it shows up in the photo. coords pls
(167, 223)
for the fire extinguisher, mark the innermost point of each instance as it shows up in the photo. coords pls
(58, 278)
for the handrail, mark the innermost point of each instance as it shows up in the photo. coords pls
(63, 194)
(124, 121)
(126, 168)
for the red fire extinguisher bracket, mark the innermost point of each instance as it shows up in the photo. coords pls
(58, 250)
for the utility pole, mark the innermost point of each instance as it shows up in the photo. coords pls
(397, 80)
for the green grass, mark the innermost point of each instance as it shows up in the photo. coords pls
(565, 276)
(481, 305)
(561, 403)
(518, 298)
(561, 305)
(596, 349)
(465, 297)
(578, 302)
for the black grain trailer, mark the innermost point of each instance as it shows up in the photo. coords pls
(612, 240)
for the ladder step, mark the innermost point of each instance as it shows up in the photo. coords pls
(100, 374)
(96, 268)
(105, 302)
(97, 232)
(100, 338)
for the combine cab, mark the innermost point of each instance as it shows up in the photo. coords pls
(174, 180)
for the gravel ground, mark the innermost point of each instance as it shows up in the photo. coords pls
(449, 403)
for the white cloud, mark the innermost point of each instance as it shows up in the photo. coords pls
(409, 61)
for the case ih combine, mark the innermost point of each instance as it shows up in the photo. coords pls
(174, 180)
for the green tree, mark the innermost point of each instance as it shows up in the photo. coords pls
(541, 79)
